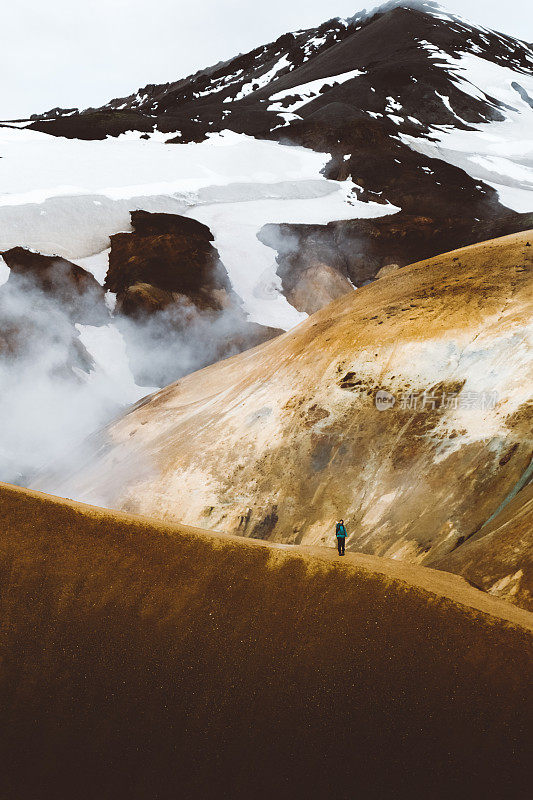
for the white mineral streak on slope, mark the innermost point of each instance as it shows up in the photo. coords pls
(495, 366)
(498, 153)
(308, 91)
(67, 197)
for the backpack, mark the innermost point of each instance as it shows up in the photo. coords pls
(340, 529)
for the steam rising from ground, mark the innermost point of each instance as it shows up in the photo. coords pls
(63, 378)
(181, 339)
(67, 376)
(52, 394)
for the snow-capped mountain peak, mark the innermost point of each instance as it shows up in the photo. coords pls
(420, 125)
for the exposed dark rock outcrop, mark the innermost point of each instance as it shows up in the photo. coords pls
(40, 304)
(357, 250)
(79, 294)
(175, 305)
(166, 259)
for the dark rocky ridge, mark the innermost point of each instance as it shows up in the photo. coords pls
(385, 46)
(41, 303)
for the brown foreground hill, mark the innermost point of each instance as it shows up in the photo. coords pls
(144, 660)
(279, 442)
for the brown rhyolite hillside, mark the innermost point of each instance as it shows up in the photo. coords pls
(281, 441)
(145, 660)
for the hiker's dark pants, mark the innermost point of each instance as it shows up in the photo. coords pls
(341, 540)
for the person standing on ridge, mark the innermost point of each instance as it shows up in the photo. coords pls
(340, 533)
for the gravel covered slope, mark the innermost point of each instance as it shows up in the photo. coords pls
(146, 660)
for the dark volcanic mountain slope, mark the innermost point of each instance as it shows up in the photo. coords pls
(352, 88)
(388, 51)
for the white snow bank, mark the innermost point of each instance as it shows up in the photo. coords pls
(36, 166)
(4, 271)
(97, 265)
(251, 264)
(66, 197)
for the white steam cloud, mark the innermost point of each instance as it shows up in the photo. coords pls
(63, 378)
(52, 394)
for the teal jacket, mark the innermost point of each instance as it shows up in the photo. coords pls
(340, 531)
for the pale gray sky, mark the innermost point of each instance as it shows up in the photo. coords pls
(68, 53)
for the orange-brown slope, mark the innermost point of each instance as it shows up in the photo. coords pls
(499, 557)
(141, 660)
(279, 442)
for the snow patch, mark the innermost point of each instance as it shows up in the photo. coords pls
(499, 153)
(232, 182)
(252, 265)
(4, 271)
(97, 265)
(111, 374)
(308, 91)
(262, 80)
